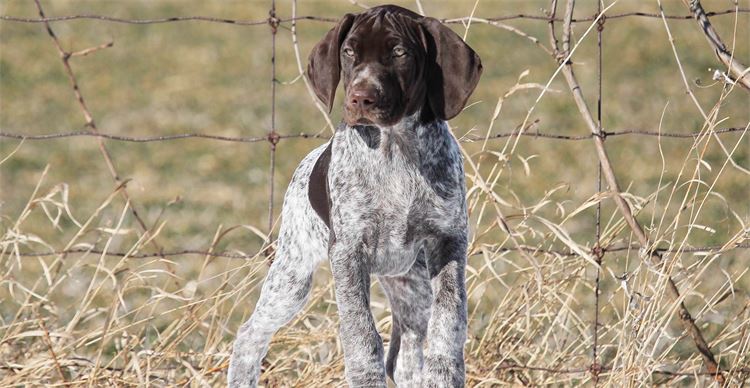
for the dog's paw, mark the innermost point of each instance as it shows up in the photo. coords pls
(442, 372)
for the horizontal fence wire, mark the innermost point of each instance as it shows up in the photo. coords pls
(236, 255)
(503, 366)
(260, 22)
(302, 135)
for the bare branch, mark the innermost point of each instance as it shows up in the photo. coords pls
(738, 71)
(84, 52)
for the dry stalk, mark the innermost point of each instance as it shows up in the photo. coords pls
(323, 111)
(51, 349)
(473, 19)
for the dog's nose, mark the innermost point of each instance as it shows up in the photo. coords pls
(362, 98)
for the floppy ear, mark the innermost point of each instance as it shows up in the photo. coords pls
(452, 69)
(324, 68)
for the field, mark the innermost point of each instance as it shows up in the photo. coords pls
(130, 254)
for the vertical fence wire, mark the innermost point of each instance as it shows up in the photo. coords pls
(598, 251)
(273, 137)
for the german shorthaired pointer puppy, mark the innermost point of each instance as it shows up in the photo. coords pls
(384, 197)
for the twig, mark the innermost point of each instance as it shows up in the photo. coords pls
(551, 24)
(690, 91)
(473, 19)
(323, 110)
(84, 52)
(51, 350)
(740, 72)
(65, 57)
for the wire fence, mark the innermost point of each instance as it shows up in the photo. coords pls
(274, 139)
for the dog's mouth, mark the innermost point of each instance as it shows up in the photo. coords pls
(369, 121)
(379, 116)
(363, 121)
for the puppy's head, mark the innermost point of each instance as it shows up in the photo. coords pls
(394, 63)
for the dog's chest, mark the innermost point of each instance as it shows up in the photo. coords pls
(381, 193)
(373, 179)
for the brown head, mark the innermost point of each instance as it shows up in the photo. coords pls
(394, 64)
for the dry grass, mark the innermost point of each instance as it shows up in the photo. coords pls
(112, 310)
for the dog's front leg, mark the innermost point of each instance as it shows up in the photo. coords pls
(363, 347)
(446, 331)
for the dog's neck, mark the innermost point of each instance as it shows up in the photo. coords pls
(410, 136)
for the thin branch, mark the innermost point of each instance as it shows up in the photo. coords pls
(51, 349)
(65, 57)
(689, 91)
(551, 24)
(738, 71)
(84, 52)
(495, 23)
(295, 44)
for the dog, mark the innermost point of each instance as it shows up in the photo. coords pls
(385, 197)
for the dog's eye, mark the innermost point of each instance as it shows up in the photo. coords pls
(399, 51)
(349, 52)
